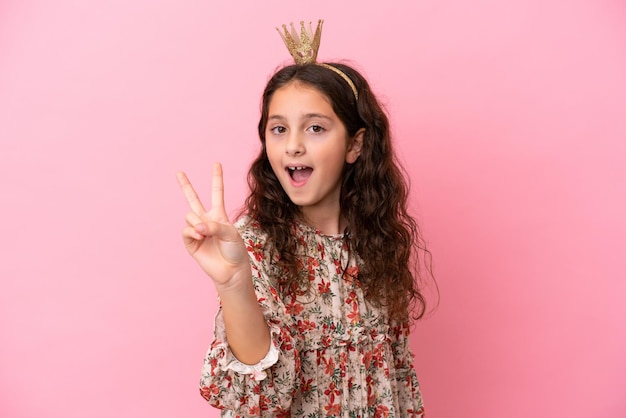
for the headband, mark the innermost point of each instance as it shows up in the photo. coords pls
(303, 48)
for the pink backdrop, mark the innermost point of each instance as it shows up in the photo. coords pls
(510, 117)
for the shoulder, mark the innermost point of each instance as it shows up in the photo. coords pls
(250, 230)
(256, 240)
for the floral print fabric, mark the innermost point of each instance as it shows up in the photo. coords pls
(335, 354)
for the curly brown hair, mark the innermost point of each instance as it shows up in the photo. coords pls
(373, 198)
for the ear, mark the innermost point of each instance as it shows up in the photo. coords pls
(355, 146)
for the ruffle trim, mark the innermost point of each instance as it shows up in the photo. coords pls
(257, 371)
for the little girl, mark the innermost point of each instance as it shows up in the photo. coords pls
(316, 279)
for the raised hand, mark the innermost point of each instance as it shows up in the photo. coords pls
(209, 236)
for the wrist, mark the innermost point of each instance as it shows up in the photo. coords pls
(239, 284)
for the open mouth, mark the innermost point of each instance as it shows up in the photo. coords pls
(300, 173)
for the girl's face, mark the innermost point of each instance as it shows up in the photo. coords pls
(307, 146)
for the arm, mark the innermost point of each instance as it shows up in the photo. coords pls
(266, 388)
(246, 330)
(269, 386)
(251, 318)
(407, 383)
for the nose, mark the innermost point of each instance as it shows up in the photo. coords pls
(295, 145)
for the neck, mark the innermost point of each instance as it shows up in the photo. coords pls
(330, 222)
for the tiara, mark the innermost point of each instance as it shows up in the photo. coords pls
(303, 48)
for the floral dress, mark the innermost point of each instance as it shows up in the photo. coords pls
(332, 353)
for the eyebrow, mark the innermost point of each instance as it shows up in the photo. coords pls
(306, 116)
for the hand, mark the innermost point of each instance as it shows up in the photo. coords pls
(209, 236)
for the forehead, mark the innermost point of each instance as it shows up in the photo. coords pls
(298, 96)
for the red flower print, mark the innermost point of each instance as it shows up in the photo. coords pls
(287, 345)
(330, 365)
(213, 364)
(256, 250)
(215, 343)
(381, 412)
(333, 409)
(207, 391)
(351, 299)
(343, 360)
(354, 316)
(311, 265)
(306, 386)
(304, 326)
(367, 360)
(320, 248)
(323, 287)
(332, 391)
(377, 356)
(352, 271)
(399, 331)
(302, 241)
(326, 341)
(337, 264)
(415, 413)
(294, 308)
(351, 274)
(264, 402)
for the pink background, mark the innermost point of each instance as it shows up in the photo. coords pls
(510, 117)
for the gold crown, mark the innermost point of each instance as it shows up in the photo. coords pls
(303, 48)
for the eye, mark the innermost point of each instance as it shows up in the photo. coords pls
(277, 130)
(316, 129)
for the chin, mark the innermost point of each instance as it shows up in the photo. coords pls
(297, 202)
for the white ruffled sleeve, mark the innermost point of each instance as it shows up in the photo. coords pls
(257, 371)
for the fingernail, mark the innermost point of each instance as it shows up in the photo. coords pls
(200, 228)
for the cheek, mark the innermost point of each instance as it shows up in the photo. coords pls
(273, 157)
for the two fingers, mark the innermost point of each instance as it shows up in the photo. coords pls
(197, 228)
(217, 195)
